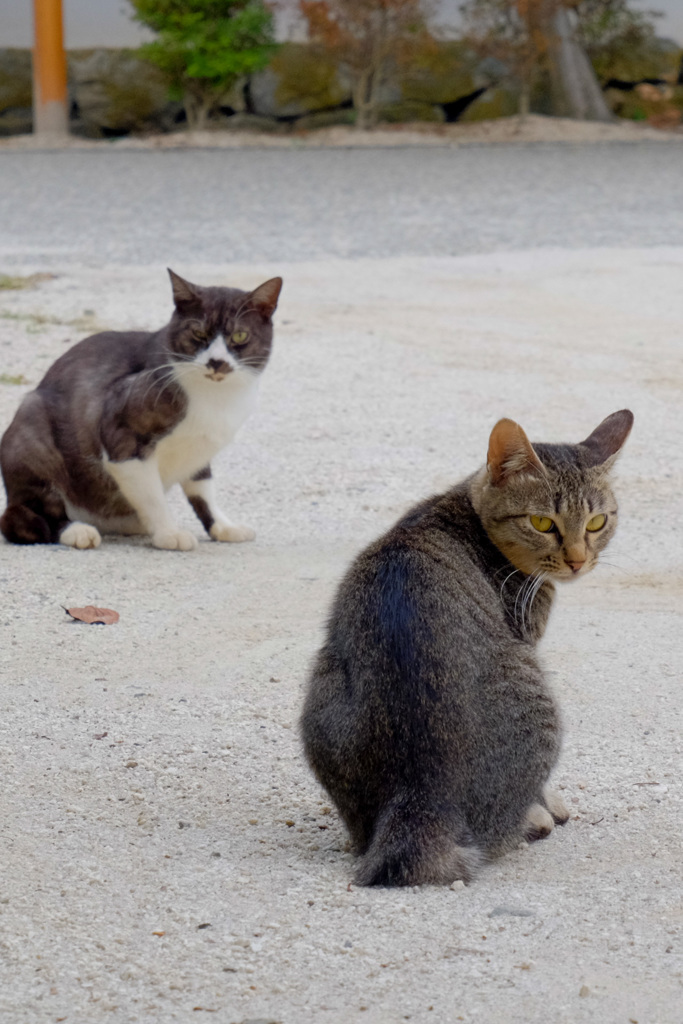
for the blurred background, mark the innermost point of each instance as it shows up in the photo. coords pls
(148, 66)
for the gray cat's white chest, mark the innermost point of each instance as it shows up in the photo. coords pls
(214, 415)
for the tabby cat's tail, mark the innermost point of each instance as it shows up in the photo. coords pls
(414, 844)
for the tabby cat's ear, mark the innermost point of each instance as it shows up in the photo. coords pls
(607, 439)
(265, 297)
(185, 295)
(510, 453)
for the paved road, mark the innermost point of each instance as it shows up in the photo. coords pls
(261, 205)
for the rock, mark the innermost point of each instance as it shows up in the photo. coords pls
(299, 81)
(584, 991)
(457, 885)
(326, 119)
(495, 102)
(114, 92)
(16, 92)
(16, 81)
(444, 72)
(411, 110)
(16, 121)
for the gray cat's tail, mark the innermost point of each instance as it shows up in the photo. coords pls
(414, 844)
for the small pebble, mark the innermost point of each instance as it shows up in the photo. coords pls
(511, 912)
(458, 884)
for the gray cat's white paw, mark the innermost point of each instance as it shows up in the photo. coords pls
(231, 533)
(174, 540)
(555, 805)
(80, 535)
(538, 823)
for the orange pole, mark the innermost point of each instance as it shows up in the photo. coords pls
(50, 111)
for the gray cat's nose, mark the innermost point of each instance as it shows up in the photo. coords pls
(219, 366)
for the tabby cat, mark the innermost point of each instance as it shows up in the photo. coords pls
(122, 416)
(427, 717)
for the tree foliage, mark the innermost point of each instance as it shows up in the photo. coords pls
(620, 41)
(524, 35)
(371, 38)
(514, 33)
(205, 46)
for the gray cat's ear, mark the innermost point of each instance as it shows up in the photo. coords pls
(265, 297)
(185, 295)
(510, 453)
(606, 441)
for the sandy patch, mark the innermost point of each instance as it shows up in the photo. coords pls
(165, 851)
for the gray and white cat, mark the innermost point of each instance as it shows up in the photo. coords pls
(427, 717)
(122, 416)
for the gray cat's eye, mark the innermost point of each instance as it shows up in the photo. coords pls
(240, 337)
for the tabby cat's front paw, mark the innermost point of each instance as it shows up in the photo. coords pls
(555, 805)
(233, 534)
(538, 823)
(80, 535)
(174, 540)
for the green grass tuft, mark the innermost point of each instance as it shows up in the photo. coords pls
(7, 378)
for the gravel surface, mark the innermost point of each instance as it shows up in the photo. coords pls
(165, 852)
(97, 207)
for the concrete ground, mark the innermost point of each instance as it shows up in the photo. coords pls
(165, 851)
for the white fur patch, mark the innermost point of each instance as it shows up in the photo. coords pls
(222, 529)
(126, 525)
(215, 412)
(80, 535)
(140, 483)
(217, 349)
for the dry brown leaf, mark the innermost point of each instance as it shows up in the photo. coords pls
(94, 616)
(159, 933)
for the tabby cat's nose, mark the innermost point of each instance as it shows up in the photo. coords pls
(575, 566)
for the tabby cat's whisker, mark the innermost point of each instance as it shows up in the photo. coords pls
(613, 565)
(531, 597)
(518, 595)
(506, 579)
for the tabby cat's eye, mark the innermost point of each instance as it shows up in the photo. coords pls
(543, 524)
(239, 337)
(596, 523)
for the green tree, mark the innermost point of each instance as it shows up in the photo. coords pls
(542, 39)
(371, 38)
(205, 46)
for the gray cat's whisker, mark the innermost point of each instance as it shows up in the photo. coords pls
(160, 380)
(245, 308)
